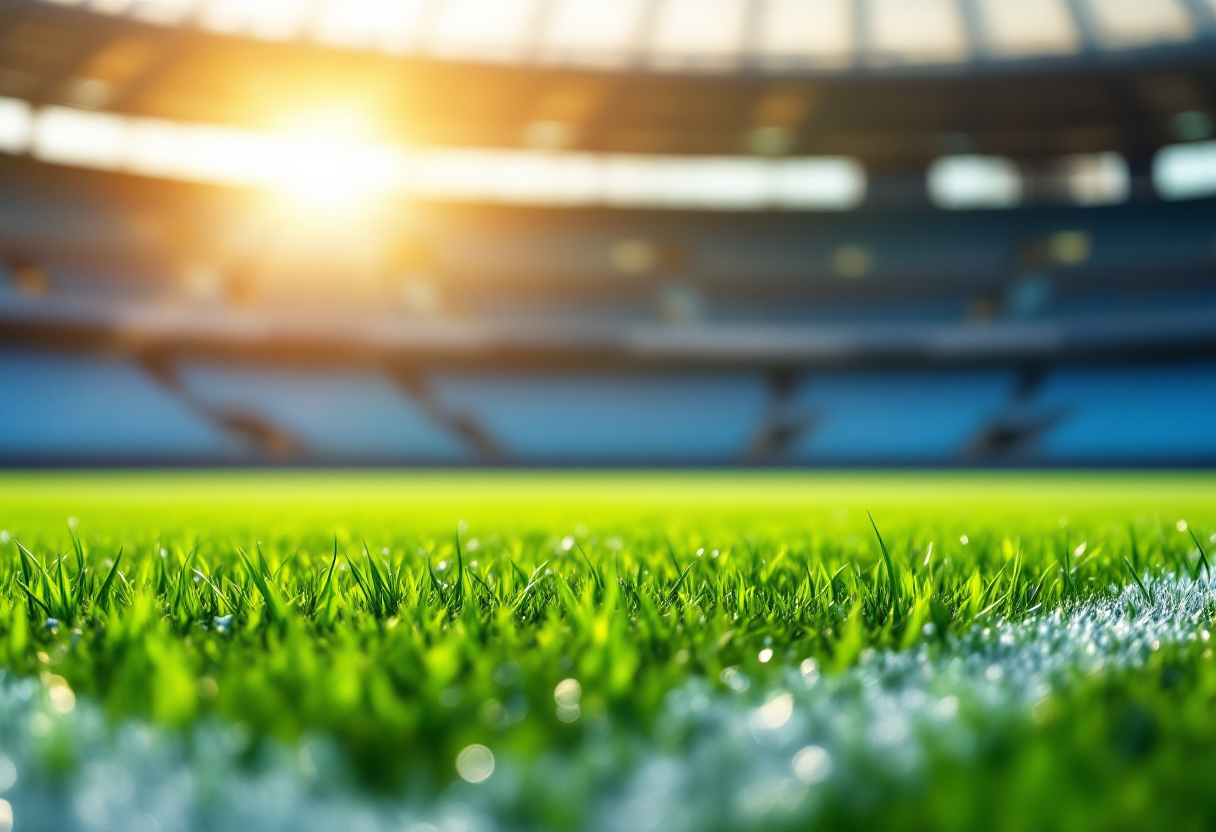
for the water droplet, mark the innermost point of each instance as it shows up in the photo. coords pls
(61, 699)
(475, 763)
(567, 693)
(812, 764)
(776, 712)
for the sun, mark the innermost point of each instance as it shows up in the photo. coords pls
(328, 165)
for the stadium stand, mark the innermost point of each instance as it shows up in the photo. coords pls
(61, 408)
(898, 417)
(788, 232)
(613, 418)
(347, 415)
(1146, 413)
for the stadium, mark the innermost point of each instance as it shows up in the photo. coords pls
(607, 414)
(954, 234)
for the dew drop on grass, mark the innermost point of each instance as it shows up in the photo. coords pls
(567, 693)
(733, 679)
(812, 765)
(946, 708)
(775, 713)
(494, 714)
(475, 763)
(964, 540)
(1180, 525)
(61, 698)
(766, 655)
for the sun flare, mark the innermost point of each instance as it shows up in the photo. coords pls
(329, 165)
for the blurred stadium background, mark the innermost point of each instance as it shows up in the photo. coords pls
(767, 232)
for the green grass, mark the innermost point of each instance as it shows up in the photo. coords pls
(409, 616)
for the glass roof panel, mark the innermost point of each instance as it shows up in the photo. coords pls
(806, 32)
(1023, 28)
(779, 34)
(592, 31)
(111, 6)
(392, 24)
(916, 31)
(166, 12)
(482, 29)
(1128, 23)
(272, 19)
(698, 31)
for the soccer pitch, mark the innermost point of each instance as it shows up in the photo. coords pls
(606, 651)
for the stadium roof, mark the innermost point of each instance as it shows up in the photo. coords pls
(775, 35)
(1127, 77)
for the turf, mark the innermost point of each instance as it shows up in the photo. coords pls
(555, 619)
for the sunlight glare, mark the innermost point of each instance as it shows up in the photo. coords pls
(328, 165)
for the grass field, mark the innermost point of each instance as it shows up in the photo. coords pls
(615, 651)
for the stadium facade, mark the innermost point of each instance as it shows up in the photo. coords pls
(707, 232)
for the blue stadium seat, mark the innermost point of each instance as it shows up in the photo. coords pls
(341, 414)
(901, 417)
(1161, 414)
(1147, 236)
(611, 418)
(59, 406)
